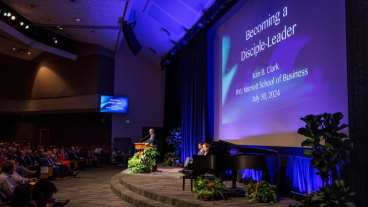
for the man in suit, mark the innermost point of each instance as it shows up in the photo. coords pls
(206, 149)
(189, 160)
(152, 140)
(76, 156)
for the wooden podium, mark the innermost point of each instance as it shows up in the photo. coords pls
(141, 146)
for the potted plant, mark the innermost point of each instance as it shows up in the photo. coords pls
(329, 146)
(329, 149)
(144, 163)
(208, 190)
(170, 159)
(174, 139)
(261, 191)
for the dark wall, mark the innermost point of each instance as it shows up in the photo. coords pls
(64, 129)
(51, 76)
(357, 56)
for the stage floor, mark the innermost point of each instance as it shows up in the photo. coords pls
(166, 189)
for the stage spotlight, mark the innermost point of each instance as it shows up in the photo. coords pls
(185, 41)
(21, 23)
(9, 14)
(5, 14)
(27, 27)
(13, 17)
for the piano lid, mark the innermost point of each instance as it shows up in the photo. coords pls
(226, 148)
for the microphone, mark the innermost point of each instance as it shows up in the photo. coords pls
(143, 138)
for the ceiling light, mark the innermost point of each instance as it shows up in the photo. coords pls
(5, 14)
(60, 28)
(13, 48)
(13, 17)
(77, 19)
(9, 14)
(29, 53)
(27, 27)
(21, 23)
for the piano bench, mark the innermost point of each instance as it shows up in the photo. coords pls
(191, 177)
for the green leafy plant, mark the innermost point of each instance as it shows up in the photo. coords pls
(334, 195)
(174, 139)
(329, 147)
(262, 192)
(170, 159)
(208, 190)
(144, 163)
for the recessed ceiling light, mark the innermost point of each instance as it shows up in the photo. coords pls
(29, 53)
(13, 48)
(21, 23)
(60, 28)
(5, 14)
(13, 17)
(27, 27)
(77, 19)
(9, 14)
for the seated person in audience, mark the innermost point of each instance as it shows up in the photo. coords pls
(206, 149)
(61, 158)
(30, 158)
(7, 184)
(189, 160)
(18, 178)
(97, 153)
(61, 170)
(21, 195)
(42, 192)
(46, 161)
(75, 156)
(11, 155)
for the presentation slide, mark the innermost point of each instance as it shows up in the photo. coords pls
(113, 104)
(275, 62)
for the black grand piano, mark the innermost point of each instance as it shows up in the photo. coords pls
(225, 156)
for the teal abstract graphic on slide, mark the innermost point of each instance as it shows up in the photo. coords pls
(227, 76)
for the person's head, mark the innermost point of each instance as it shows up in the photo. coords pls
(21, 195)
(29, 152)
(15, 150)
(10, 149)
(151, 131)
(46, 155)
(200, 145)
(42, 191)
(16, 164)
(72, 148)
(54, 151)
(8, 167)
(206, 147)
(22, 152)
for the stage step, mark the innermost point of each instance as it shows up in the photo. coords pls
(131, 197)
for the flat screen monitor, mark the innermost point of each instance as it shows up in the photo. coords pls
(114, 104)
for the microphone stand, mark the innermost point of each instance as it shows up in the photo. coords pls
(140, 141)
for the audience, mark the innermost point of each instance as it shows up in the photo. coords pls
(7, 184)
(18, 160)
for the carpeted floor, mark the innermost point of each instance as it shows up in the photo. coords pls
(91, 188)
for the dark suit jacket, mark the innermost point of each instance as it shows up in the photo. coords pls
(74, 155)
(152, 140)
(47, 162)
(29, 160)
(21, 160)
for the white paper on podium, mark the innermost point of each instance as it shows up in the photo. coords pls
(44, 169)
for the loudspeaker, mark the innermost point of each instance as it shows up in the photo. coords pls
(130, 38)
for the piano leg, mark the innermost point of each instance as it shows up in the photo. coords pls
(234, 175)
